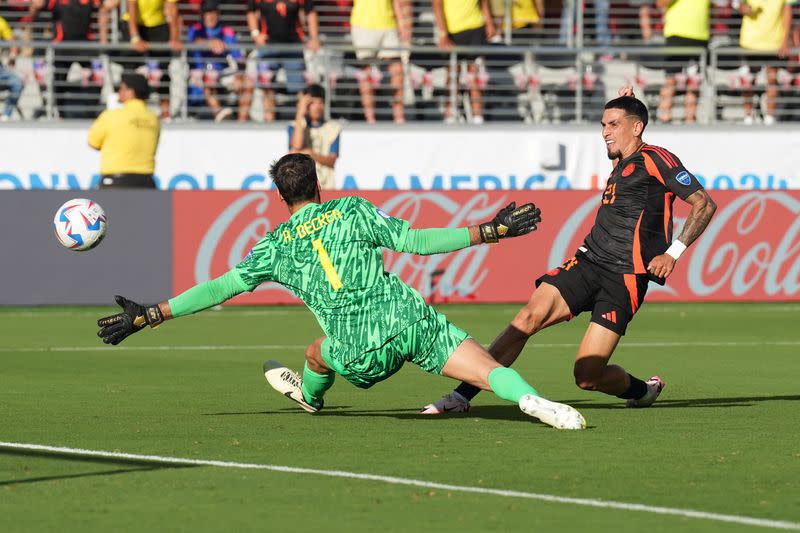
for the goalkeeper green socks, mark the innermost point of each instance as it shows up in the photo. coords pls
(315, 385)
(509, 385)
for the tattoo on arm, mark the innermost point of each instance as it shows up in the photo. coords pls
(703, 208)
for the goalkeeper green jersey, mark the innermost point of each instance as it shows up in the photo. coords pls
(329, 256)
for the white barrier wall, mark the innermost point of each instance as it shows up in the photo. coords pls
(410, 157)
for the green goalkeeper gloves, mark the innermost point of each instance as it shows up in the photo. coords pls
(511, 221)
(116, 328)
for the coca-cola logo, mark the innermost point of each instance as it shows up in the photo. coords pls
(459, 273)
(746, 247)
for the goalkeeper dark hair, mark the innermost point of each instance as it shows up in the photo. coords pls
(632, 106)
(295, 176)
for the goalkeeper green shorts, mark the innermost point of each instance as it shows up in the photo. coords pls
(427, 343)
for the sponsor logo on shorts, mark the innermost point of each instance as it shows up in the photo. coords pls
(683, 178)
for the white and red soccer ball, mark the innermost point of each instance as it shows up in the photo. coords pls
(80, 224)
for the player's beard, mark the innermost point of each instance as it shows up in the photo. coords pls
(617, 154)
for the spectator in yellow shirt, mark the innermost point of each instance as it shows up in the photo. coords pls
(157, 22)
(127, 138)
(686, 24)
(766, 27)
(465, 23)
(377, 29)
(8, 78)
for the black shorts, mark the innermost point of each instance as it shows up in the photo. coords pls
(675, 64)
(155, 34)
(473, 37)
(612, 298)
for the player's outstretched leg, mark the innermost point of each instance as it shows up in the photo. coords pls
(471, 363)
(545, 308)
(307, 392)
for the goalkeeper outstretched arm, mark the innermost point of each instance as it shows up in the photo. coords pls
(134, 317)
(511, 221)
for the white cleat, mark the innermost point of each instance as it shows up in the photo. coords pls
(450, 403)
(558, 415)
(288, 383)
(654, 387)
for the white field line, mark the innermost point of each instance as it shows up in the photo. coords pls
(392, 480)
(258, 347)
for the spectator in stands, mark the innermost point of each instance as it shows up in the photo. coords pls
(157, 22)
(9, 79)
(526, 19)
(311, 134)
(280, 23)
(216, 70)
(569, 19)
(127, 138)
(766, 27)
(645, 17)
(465, 23)
(378, 29)
(72, 20)
(686, 24)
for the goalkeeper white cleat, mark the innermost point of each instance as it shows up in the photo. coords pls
(558, 415)
(450, 403)
(288, 383)
(654, 387)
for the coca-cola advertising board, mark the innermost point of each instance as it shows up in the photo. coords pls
(750, 250)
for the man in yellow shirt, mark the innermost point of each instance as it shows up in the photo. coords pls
(686, 24)
(465, 23)
(127, 138)
(8, 78)
(766, 27)
(377, 27)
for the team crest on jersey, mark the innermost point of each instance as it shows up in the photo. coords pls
(628, 170)
(683, 178)
(382, 213)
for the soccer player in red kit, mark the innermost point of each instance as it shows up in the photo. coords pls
(630, 244)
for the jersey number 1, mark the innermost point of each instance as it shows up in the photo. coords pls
(327, 265)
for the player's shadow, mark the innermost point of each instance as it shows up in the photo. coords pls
(133, 465)
(490, 412)
(678, 403)
(285, 410)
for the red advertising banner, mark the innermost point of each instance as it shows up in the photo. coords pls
(750, 251)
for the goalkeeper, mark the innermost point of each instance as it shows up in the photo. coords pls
(329, 255)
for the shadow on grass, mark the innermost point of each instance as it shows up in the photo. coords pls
(135, 465)
(739, 401)
(507, 412)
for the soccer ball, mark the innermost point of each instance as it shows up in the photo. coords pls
(80, 224)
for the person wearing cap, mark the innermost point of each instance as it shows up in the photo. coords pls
(127, 138)
(210, 78)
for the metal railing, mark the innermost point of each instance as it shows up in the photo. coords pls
(534, 84)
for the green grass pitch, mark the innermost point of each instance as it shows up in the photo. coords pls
(724, 437)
